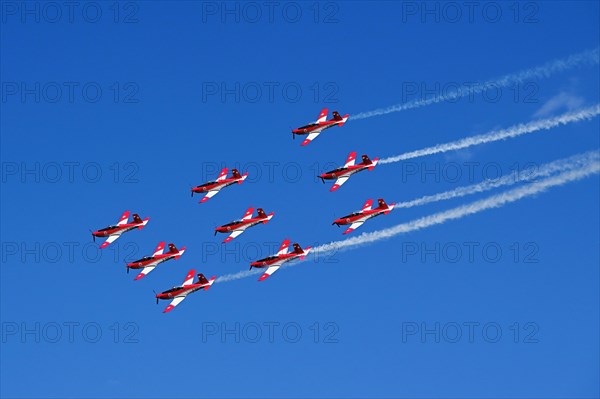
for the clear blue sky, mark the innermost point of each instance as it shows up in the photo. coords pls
(360, 56)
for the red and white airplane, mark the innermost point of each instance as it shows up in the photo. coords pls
(212, 187)
(148, 263)
(356, 219)
(178, 294)
(237, 227)
(274, 262)
(115, 231)
(343, 174)
(315, 128)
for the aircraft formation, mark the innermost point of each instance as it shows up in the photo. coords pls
(271, 263)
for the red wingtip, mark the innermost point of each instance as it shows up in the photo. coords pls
(203, 200)
(263, 277)
(139, 276)
(305, 142)
(227, 239)
(335, 187)
(104, 245)
(348, 231)
(168, 309)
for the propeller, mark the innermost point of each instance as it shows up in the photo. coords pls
(155, 294)
(323, 180)
(293, 134)
(126, 266)
(93, 236)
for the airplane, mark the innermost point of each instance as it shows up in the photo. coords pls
(356, 219)
(274, 262)
(315, 128)
(212, 187)
(178, 294)
(115, 231)
(343, 174)
(239, 226)
(148, 263)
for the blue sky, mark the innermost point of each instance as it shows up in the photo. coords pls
(164, 122)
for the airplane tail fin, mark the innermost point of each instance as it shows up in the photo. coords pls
(136, 218)
(383, 205)
(207, 283)
(340, 119)
(298, 249)
(366, 160)
(236, 173)
(202, 279)
(261, 213)
(173, 249)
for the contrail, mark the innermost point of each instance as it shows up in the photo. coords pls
(533, 173)
(494, 201)
(502, 134)
(589, 57)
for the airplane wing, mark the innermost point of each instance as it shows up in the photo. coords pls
(312, 135)
(145, 271)
(176, 301)
(189, 279)
(223, 174)
(354, 226)
(248, 214)
(283, 249)
(234, 234)
(350, 160)
(367, 205)
(341, 180)
(210, 194)
(272, 269)
(111, 238)
(159, 248)
(323, 115)
(124, 218)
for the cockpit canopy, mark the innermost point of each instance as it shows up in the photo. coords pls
(232, 223)
(309, 125)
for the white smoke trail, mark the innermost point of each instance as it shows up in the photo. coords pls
(494, 201)
(545, 170)
(502, 134)
(589, 57)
